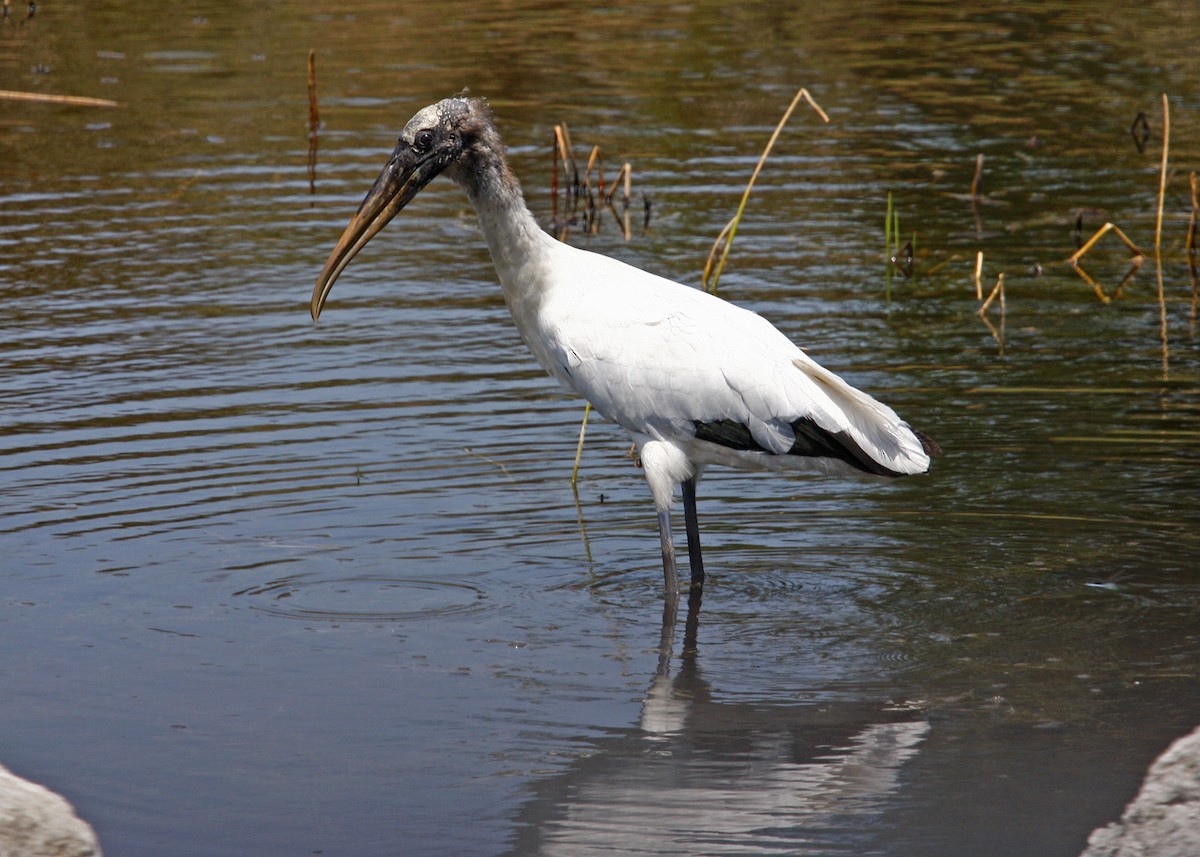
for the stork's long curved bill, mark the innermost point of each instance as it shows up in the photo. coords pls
(400, 181)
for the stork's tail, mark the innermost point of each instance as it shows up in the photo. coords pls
(882, 442)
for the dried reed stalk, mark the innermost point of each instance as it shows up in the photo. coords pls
(314, 121)
(975, 195)
(1162, 175)
(554, 155)
(997, 290)
(624, 179)
(563, 152)
(45, 98)
(712, 272)
(1190, 243)
(997, 333)
(1138, 255)
(568, 156)
(587, 410)
(1162, 191)
(978, 175)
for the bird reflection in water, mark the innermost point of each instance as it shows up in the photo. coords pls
(704, 772)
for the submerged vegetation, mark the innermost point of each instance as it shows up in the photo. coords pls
(900, 259)
(583, 202)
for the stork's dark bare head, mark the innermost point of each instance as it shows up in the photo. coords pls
(456, 137)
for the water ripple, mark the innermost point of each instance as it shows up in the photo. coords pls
(359, 598)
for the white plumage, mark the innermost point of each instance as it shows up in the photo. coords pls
(694, 379)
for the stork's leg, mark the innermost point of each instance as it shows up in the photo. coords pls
(692, 524)
(670, 574)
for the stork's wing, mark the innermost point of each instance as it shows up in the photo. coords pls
(663, 359)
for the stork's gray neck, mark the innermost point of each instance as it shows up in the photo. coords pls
(513, 236)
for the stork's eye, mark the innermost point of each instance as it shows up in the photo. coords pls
(423, 141)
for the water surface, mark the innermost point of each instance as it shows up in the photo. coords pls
(271, 587)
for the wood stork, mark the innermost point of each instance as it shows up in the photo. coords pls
(694, 379)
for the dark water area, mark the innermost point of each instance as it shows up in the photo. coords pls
(270, 587)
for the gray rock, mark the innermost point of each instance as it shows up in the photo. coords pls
(35, 822)
(1164, 819)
